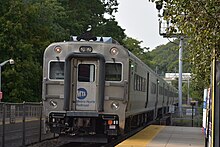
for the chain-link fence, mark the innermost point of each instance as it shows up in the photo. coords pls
(21, 124)
(191, 116)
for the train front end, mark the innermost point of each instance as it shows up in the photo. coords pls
(94, 93)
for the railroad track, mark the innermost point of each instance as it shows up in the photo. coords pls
(59, 143)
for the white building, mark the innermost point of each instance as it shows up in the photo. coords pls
(174, 76)
(169, 77)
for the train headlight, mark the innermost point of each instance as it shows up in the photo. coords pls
(114, 51)
(53, 103)
(58, 49)
(85, 49)
(115, 105)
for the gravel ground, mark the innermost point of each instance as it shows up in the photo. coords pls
(48, 143)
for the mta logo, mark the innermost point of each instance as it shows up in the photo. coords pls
(81, 93)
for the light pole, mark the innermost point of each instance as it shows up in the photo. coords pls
(11, 61)
(166, 29)
(180, 75)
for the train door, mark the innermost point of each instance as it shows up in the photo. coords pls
(86, 85)
(163, 103)
(157, 97)
(168, 98)
(147, 95)
(157, 90)
(84, 82)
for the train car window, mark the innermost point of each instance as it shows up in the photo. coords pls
(160, 90)
(169, 94)
(153, 88)
(86, 72)
(143, 84)
(113, 71)
(135, 82)
(165, 92)
(139, 83)
(56, 70)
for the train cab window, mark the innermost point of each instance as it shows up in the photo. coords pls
(113, 71)
(86, 72)
(56, 70)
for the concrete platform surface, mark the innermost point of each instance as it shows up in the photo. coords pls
(166, 136)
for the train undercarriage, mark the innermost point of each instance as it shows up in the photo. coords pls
(94, 127)
(84, 126)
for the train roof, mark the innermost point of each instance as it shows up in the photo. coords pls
(96, 39)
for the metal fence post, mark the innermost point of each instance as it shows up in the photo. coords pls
(3, 125)
(12, 114)
(40, 133)
(23, 122)
(192, 114)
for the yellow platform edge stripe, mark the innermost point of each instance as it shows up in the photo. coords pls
(142, 138)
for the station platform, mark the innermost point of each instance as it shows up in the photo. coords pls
(166, 136)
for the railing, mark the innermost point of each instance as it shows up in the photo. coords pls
(191, 116)
(21, 124)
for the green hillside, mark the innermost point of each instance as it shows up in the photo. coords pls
(165, 59)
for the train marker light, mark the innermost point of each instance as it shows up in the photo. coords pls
(1, 95)
(110, 122)
(114, 51)
(58, 49)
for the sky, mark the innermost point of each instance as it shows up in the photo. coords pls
(139, 18)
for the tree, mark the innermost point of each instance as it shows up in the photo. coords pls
(134, 46)
(198, 20)
(27, 27)
(81, 14)
(166, 58)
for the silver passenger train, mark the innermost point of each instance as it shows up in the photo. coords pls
(99, 88)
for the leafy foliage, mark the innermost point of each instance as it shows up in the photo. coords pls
(166, 58)
(81, 14)
(134, 46)
(28, 27)
(198, 21)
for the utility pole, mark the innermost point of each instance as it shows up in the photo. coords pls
(180, 75)
(164, 30)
